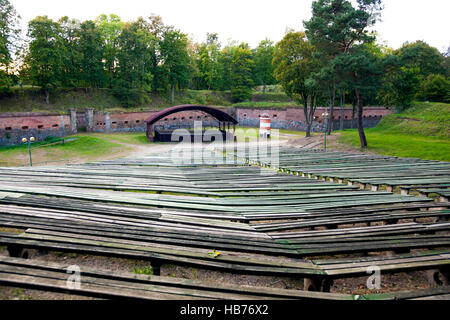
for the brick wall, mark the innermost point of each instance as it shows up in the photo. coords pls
(294, 118)
(15, 126)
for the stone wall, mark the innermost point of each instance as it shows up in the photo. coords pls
(15, 126)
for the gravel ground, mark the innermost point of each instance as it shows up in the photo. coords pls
(389, 283)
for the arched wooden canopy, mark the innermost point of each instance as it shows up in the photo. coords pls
(221, 116)
(216, 113)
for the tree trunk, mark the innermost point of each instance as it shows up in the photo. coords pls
(173, 92)
(312, 111)
(341, 122)
(47, 96)
(331, 115)
(362, 136)
(353, 113)
(264, 92)
(305, 111)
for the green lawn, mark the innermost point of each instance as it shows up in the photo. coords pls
(86, 147)
(400, 145)
(423, 132)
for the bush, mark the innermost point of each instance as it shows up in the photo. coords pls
(241, 93)
(129, 97)
(435, 88)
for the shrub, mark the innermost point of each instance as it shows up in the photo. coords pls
(435, 88)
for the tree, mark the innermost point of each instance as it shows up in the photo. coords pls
(294, 63)
(44, 58)
(263, 64)
(335, 28)
(134, 75)
(9, 39)
(91, 48)
(364, 69)
(71, 54)
(225, 65)
(157, 28)
(428, 60)
(241, 73)
(175, 59)
(399, 83)
(110, 28)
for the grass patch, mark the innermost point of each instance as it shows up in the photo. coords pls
(84, 148)
(264, 104)
(423, 132)
(143, 270)
(400, 145)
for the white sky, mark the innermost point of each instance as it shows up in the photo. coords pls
(253, 20)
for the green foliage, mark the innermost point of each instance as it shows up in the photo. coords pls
(110, 28)
(294, 63)
(134, 75)
(241, 77)
(435, 88)
(399, 87)
(9, 40)
(174, 58)
(44, 62)
(92, 51)
(420, 55)
(339, 32)
(143, 270)
(263, 63)
(5, 82)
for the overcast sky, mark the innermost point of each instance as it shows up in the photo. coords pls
(253, 20)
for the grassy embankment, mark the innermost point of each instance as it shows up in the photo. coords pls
(30, 99)
(423, 132)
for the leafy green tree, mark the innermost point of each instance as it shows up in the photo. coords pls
(428, 60)
(294, 63)
(43, 60)
(399, 83)
(205, 66)
(225, 65)
(92, 51)
(364, 69)
(263, 64)
(195, 76)
(134, 63)
(435, 88)
(157, 28)
(335, 28)
(9, 39)
(241, 76)
(175, 59)
(71, 54)
(110, 28)
(213, 47)
(446, 63)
